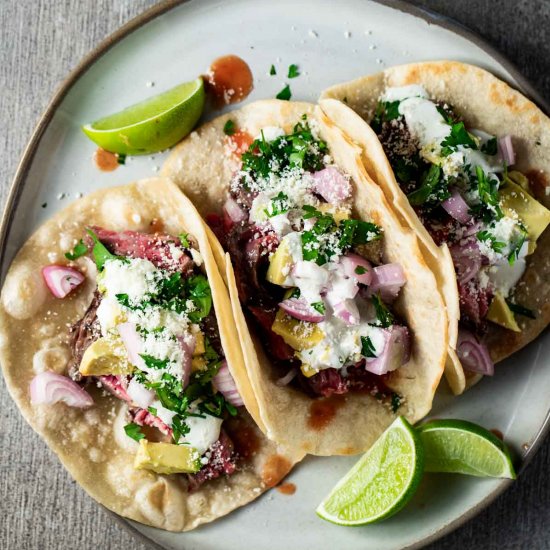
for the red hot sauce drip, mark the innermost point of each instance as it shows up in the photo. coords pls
(229, 80)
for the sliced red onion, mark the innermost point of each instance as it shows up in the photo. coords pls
(347, 311)
(61, 279)
(132, 342)
(226, 385)
(358, 268)
(139, 394)
(287, 378)
(332, 185)
(467, 260)
(396, 351)
(48, 387)
(301, 310)
(387, 281)
(457, 207)
(473, 229)
(474, 355)
(234, 211)
(506, 149)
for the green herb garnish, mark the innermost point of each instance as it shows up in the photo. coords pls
(488, 193)
(319, 307)
(395, 401)
(384, 317)
(293, 71)
(367, 347)
(458, 136)
(78, 251)
(487, 237)
(521, 310)
(134, 431)
(490, 147)
(100, 252)
(272, 70)
(121, 158)
(229, 128)
(432, 186)
(285, 93)
(184, 239)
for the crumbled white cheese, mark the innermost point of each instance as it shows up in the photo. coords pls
(203, 432)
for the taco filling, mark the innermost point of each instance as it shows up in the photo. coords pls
(309, 275)
(151, 339)
(461, 185)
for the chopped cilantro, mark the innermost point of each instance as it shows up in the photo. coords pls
(367, 347)
(488, 194)
(285, 93)
(293, 71)
(516, 245)
(490, 147)
(384, 317)
(395, 401)
(198, 290)
(100, 252)
(184, 239)
(487, 237)
(229, 128)
(278, 205)
(300, 149)
(355, 232)
(153, 362)
(432, 186)
(272, 70)
(319, 307)
(79, 250)
(360, 270)
(458, 136)
(521, 310)
(134, 431)
(44, 204)
(121, 158)
(152, 410)
(385, 111)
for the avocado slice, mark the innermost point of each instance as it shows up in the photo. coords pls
(105, 356)
(501, 314)
(516, 201)
(299, 335)
(167, 458)
(280, 264)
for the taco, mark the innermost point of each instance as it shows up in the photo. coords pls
(119, 346)
(340, 319)
(464, 160)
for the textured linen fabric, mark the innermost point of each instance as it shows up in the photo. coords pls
(40, 42)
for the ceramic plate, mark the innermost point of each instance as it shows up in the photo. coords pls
(331, 42)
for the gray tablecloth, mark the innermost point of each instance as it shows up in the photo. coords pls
(40, 42)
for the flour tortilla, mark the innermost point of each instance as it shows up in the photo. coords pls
(92, 444)
(202, 165)
(486, 103)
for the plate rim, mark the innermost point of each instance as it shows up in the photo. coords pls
(29, 152)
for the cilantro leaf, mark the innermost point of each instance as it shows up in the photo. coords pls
(285, 94)
(121, 158)
(490, 147)
(319, 307)
(430, 183)
(488, 193)
(367, 347)
(293, 71)
(485, 236)
(100, 252)
(278, 205)
(395, 401)
(384, 317)
(184, 239)
(78, 251)
(516, 245)
(153, 362)
(198, 290)
(134, 431)
(458, 136)
(272, 70)
(521, 310)
(229, 128)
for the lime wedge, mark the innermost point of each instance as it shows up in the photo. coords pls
(381, 483)
(460, 447)
(152, 125)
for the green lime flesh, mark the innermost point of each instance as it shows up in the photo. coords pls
(381, 482)
(461, 447)
(152, 125)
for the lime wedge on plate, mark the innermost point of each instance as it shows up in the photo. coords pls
(460, 447)
(152, 125)
(381, 483)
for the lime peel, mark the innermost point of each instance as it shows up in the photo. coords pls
(381, 482)
(151, 125)
(459, 446)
